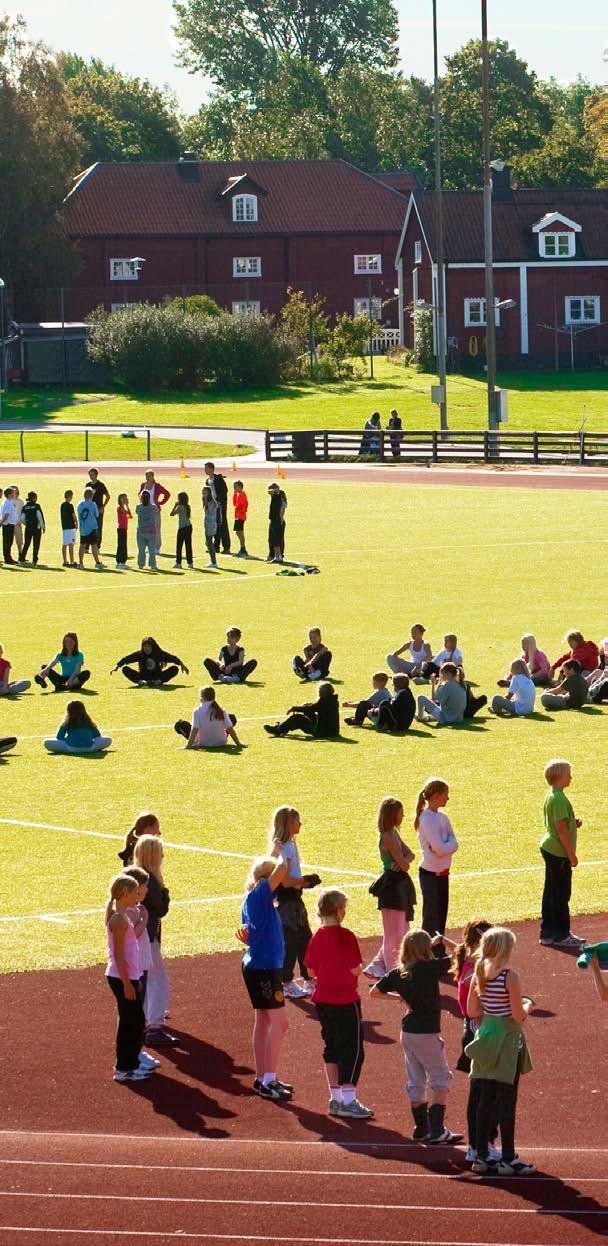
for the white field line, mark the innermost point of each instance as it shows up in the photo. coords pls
(222, 1169)
(257, 718)
(389, 552)
(184, 1236)
(153, 582)
(317, 1204)
(199, 1142)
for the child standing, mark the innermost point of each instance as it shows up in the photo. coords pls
(262, 934)
(148, 855)
(8, 688)
(464, 956)
(334, 960)
(138, 916)
(33, 522)
(276, 524)
(416, 981)
(123, 974)
(8, 522)
(211, 512)
(558, 850)
(286, 825)
(394, 889)
(183, 538)
(231, 667)
(240, 502)
(438, 843)
(69, 527)
(146, 824)
(123, 515)
(147, 531)
(498, 1052)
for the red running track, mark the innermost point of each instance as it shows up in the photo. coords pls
(193, 1156)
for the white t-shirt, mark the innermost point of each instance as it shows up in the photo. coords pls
(289, 853)
(523, 692)
(447, 655)
(18, 503)
(212, 732)
(437, 840)
(8, 514)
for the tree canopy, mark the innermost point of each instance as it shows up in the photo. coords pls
(119, 117)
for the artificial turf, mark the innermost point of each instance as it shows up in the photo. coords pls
(489, 564)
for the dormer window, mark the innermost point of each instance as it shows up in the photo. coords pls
(244, 208)
(557, 246)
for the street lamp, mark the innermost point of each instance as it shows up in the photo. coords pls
(439, 296)
(487, 219)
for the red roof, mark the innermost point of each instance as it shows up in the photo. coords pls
(512, 223)
(297, 196)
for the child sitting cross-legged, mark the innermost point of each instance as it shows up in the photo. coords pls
(231, 667)
(519, 700)
(320, 718)
(77, 733)
(334, 961)
(448, 698)
(369, 706)
(316, 660)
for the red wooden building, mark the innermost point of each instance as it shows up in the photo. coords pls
(240, 231)
(550, 257)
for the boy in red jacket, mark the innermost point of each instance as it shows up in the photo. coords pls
(241, 504)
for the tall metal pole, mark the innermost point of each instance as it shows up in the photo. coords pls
(487, 220)
(2, 350)
(439, 299)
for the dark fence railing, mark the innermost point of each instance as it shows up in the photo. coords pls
(410, 446)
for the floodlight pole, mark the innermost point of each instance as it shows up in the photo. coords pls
(487, 221)
(439, 299)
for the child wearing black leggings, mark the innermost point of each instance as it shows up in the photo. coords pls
(319, 718)
(316, 660)
(231, 667)
(152, 670)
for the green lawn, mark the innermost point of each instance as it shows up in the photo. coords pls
(559, 401)
(46, 447)
(487, 564)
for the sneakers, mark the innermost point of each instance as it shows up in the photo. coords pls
(307, 987)
(161, 1038)
(242, 554)
(546, 941)
(374, 971)
(354, 1111)
(503, 683)
(120, 566)
(334, 1107)
(514, 1168)
(40, 681)
(485, 1167)
(293, 990)
(272, 730)
(470, 1156)
(445, 1138)
(100, 566)
(571, 940)
(276, 1091)
(351, 722)
(146, 1061)
(131, 1075)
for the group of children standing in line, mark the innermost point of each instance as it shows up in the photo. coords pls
(23, 523)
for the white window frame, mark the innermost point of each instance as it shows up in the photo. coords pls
(558, 239)
(471, 323)
(123, 270)
(418, 251)
(246, 307)
(244, 209)
(247, 266)
(583, 299)
(361, 307)
(368, 264)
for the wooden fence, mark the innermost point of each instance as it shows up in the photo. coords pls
(408, 446)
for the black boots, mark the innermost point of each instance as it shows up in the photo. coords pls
(421, 1118)
(438, 1132)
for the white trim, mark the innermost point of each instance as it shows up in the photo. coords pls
(533, 264)
(412, 204)
(551, 218)
(246, 307)
(248, 271)
(582, 320)
(417, 251)
(400, 298)
(570, 238)
(479, 324)
(524, 342)
(247, 200)
(367, 270)
(128, 269)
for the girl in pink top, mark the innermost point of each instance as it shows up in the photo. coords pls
(537, 662)
(123, 974)
(123, 515)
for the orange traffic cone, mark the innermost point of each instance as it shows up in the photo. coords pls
(234, 466)
(182, 470)
(282, 473)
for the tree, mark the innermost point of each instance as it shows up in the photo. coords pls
(119, 117)
(519, 115)
(596, 116)
(569, 154)
(238, 46)
(40, 152)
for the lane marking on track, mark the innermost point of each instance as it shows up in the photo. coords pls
(153, 583)
(287, 1172)
(339, 1145)
(185, 1235)
(317, 1204)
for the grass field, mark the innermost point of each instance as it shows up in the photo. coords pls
(61, 447)
(488, 564)
(558, 401)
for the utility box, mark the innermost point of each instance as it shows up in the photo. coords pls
(437, 394)
(501, 399)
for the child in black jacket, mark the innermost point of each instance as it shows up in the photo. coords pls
(152, 669)
(397, 714)
(320, 718)
(32, 519)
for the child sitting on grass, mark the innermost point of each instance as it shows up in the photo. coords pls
(449, 653)
(571, 693)
(211, 726)
(10, 688)
(316, 661)
(416, 982)
(77, 733)
(585, 652)
(419, 651)
(448, 699)
(519, 700)
(231, 667)
(397, 715)
(334, 961)
(319, 718)
(537, 662)
(368, 707)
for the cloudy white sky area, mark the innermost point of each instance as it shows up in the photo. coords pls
(557, 38)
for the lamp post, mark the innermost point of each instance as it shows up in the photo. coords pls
(487, 220)
(439, 298)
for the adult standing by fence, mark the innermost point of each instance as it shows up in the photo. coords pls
(217, 483)
(158, 495)
(395, 426)
(101, 497)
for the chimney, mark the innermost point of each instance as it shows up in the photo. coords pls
(187, 167)
(502, 190)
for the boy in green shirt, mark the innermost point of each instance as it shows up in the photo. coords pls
(558, 849)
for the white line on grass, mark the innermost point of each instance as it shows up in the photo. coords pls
(152, 583)
(287, 1203)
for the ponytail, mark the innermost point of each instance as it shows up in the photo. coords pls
(431, 788)
(120, 884)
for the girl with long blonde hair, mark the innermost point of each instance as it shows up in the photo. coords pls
(261, 934)
(394, 889)
(284, 828)
(149, 855)
(498, 1052)
(438, 843)
(123, 973)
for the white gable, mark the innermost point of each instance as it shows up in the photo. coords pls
(555, 218)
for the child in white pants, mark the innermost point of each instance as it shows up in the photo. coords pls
(149, 856)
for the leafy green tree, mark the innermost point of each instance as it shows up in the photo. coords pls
(119, 117)
(238, 45)
(40, 151)
(196, 305)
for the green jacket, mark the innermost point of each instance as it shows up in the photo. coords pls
(499, 1050)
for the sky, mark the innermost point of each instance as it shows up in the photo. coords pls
(136, 37)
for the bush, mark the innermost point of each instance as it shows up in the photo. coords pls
(197, 305)
(148, 347)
